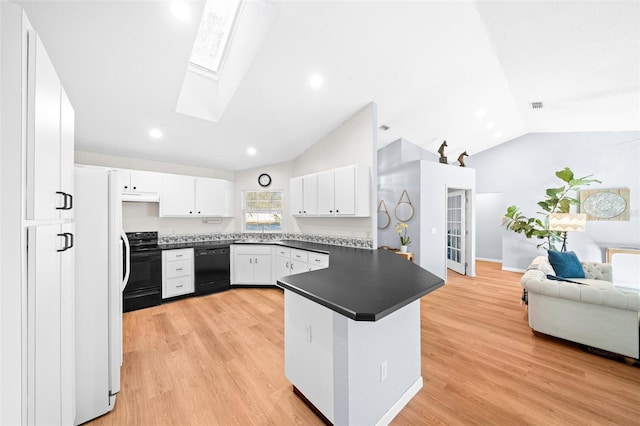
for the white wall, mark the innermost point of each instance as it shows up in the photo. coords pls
(523, 168)
(435, 180)
(281, 174)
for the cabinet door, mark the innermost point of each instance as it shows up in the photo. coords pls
(283, 267)
(209, 197)
(143, 181)
(178, 195)
(67, 135)
(43, 135)
(243, 268)
(262, 269)
(310, 195)
(345, 191)
(297, 196)
(326, 194)
(51, 328)
(124, 176)
(298, 266)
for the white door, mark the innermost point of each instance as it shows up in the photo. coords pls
(345, 191)
(310, 195)
(456, 231)
(326, 191)
(178, 195)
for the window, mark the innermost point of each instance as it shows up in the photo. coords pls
(218, 23)
(262, 211)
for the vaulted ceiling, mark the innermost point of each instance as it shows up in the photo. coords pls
(461, 71)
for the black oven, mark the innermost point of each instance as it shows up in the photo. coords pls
(144, 288)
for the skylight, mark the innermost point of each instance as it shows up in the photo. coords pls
(214, 37)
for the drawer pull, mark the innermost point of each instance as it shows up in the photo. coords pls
(179, 255)
(180, 286)
(179, 269)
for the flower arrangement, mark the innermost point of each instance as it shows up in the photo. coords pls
(401, 229)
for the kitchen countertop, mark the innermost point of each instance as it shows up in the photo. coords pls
(361, 284)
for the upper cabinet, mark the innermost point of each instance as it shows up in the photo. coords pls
(195, 196)
(50, 133)
(338, 192)
(140, 181)
(304, 195)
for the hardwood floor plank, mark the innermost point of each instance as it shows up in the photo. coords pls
(219, 360)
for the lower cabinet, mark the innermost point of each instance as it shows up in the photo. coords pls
(177, 273)
(251, 264)
(291, 261)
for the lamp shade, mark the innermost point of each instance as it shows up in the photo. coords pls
(567, 222)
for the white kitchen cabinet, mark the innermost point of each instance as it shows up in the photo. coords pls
(192, 196)
(251, 264)
(326, 190)
(291, 261)
(140, 181)
(304, 196)
(177, 272)
(51, 324)
(339, 192)
(50, 124)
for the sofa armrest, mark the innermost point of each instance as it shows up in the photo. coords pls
(597, 271)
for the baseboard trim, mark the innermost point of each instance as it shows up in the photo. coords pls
(400, 403)
(486, 259)
(505, 268)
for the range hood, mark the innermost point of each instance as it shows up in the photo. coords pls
(143, 197)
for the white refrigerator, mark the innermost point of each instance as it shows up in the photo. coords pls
(101, 270)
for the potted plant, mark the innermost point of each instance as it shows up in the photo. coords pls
(405, 240)
(557, 200)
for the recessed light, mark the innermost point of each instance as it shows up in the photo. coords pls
(251, 151)
(155, 133)
(481, 112)
(180, 10)
(315, 81)
(490, 125)
(497, 134)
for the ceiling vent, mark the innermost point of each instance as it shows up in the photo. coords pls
(536, 105)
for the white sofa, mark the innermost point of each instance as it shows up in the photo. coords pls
(594, 313)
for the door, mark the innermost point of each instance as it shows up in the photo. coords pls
(345, 191)
(178, 195)
(310, 195)
(326, 191)
(456, 231)
(297, 195)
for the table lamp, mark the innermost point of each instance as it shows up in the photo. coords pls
(565, 222)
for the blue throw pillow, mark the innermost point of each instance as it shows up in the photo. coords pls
(566, 264)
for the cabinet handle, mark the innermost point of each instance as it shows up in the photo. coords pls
(67, 203)
(190, 212)
(287, 265)
(135, 187)
(299, 211)
(250, 260)
(198, 212)
(292, 266)
(305, 211)
(180, 286)
(126, 187)
(256, 260)
(337, 211)
(68, 241)
(330, 211)
(179, 269)
(179, 255)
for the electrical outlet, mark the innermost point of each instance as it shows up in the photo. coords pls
(307, 332)
(383, 371)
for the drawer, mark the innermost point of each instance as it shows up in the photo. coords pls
(177, 287)
(319, 260)
(179, 268)
(182, 254)
(283, 251)
(299, 255)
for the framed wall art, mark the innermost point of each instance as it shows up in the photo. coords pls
(605, 204)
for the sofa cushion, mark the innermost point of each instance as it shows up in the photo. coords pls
(566, 264)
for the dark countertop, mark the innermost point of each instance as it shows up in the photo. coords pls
(361, 284)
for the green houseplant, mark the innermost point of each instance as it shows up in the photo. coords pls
(557, 200)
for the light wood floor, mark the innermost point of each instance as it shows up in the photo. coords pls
(218, 360)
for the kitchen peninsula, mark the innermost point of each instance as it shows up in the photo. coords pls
(352, 334)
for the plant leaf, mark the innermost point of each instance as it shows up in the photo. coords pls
(565, 174)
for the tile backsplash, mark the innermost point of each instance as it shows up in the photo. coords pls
(296, 236)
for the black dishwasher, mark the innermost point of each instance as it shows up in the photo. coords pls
(212, 271)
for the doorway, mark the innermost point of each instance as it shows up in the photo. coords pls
(458, 227)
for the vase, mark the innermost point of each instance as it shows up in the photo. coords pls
(403, 249)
